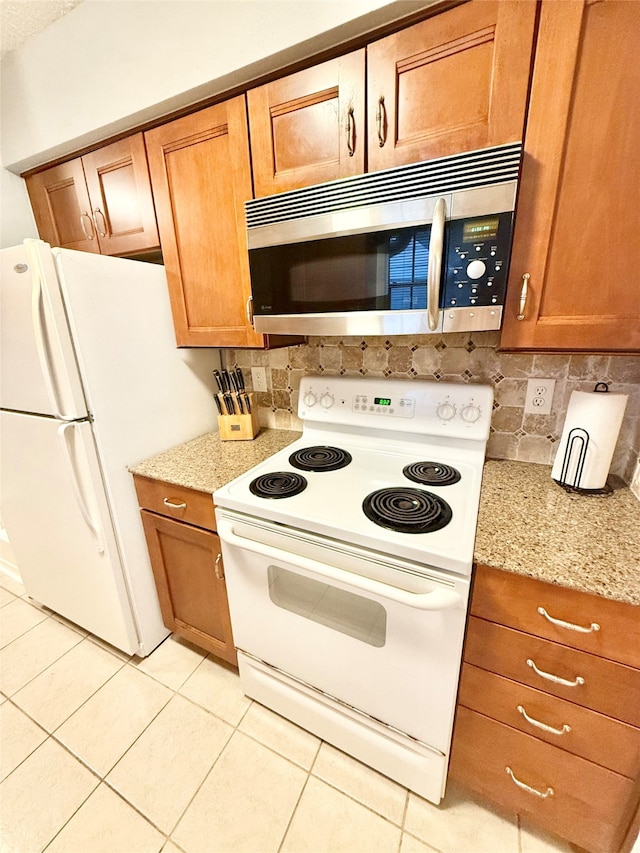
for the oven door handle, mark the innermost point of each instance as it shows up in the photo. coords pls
(438, 599)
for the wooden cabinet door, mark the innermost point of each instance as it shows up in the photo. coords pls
(187, 566)
(117, 178)
(309, 127)
(201, 177)
(454, 82)
(577, 212)
(61, 207)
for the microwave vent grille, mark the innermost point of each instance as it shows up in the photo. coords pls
(417, 180)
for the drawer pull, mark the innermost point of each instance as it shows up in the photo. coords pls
(219, 568)
(542, 794)
(171, 504)
(569, 625)
(555, 678)
(545, 728)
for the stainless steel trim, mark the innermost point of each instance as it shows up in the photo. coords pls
(434, 270)
(472, 319)
(416, 180)
(347, 323)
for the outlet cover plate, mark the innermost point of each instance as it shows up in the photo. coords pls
(259, 378)
(539, 396)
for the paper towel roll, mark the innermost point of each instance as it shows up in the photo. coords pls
(600, 415)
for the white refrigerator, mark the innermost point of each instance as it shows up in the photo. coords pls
(91, 382)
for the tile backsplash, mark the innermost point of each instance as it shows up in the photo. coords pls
(463, 357)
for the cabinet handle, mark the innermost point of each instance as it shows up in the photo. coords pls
(542, 794)
(569, 625)
(524, 292)
(102, 233)
(350, 130)
(555, 678)
(169, 503)
(219, 567)
(84, 230)
(381, 121)
(249, 310)
(545, 728)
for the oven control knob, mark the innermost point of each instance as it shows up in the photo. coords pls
(470, 413)
(326, 400)
(446, 411)
(310, 399)
(476, 269)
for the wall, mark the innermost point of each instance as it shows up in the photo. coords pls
(464, 357)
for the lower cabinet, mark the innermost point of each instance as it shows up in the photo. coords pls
(548, 717)
(186, 559)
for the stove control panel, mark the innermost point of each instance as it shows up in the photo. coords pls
(454, 410)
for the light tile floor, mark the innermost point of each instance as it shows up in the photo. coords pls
(103, 753)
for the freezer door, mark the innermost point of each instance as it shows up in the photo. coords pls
(56, 515)
(38, 368)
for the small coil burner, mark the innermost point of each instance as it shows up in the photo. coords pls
(280, 484)
(407, 510)
(431, 474)
(320, 458)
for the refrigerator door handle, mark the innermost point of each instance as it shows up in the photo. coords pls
(77, 490)
(37, 306)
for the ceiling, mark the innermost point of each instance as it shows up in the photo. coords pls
(21, 19)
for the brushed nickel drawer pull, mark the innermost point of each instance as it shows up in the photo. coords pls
(542, 794)
(545, 728)
(569, 625)
(350, 131)
(88, 235)
(219, 568)
(169, 503)
(381, 121)
(555, 678)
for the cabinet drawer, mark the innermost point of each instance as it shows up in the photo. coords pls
(577, 730)
(610, 688)
(176, 502)
(589, 805)
(514, 601)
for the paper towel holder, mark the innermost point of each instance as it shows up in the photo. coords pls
(578, 441)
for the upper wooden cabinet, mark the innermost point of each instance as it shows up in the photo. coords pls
(309, 127)
(454, 82)
(577, 209)
(101, 202)
(201, 177)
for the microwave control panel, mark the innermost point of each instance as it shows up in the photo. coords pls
(477, 261)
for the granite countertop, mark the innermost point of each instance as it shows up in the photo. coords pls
(527, 524)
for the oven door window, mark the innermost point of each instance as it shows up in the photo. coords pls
(382, 271)
(346, 612)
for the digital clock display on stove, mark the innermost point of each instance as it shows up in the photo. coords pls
(382, 401)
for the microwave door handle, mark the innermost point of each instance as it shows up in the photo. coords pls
(438, 599)
(434, 270)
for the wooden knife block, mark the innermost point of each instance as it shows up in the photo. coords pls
(239, 427)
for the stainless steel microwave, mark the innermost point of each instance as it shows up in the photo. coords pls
(418, 249)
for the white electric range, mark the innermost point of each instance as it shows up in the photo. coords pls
(348, 558)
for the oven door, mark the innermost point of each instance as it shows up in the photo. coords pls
(377, 634)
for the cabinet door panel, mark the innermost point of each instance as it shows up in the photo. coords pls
(62, 208)
(577, 209)
(201, 178)
(301, 129)
(192, 593)
(120, 192)
(455, 82)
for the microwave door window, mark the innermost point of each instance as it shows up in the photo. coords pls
(408, 261)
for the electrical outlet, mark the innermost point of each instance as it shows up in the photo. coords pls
(259, 378)
(539, 396)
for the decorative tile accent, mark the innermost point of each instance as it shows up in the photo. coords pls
(464, 357)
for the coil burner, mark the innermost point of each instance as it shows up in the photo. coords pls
(431, 473)
(407, 510)
(320, 458)
(280, 484)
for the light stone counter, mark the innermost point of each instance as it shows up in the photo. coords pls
(527, 524)
(531, 526)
